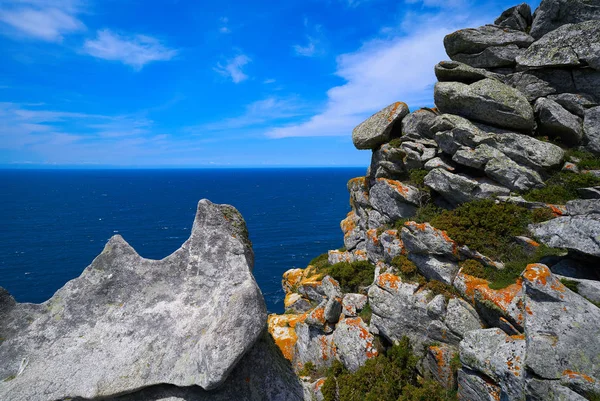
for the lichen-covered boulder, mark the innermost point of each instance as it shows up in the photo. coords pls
(517, 17)
(579, 233)
(128, 322)
(555, 121)
(579, 207)
(476, 40)
(491, 57)
(434, 267)
(591, 129)
(417, 125)
(575, 103)
(455, 71)
(552, 14)
(354, 343)
(476, 387)
(426, 239)
(439, 364)
(487, 101)
(457, 188)
(378, 129)
(461, 317)
(394, 199)
(313, 346)
(352, 304)
(512, 175)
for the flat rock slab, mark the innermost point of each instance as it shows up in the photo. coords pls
(377, 129)
(552, 14)
(476, 40)
(129, 323)
(580, 233)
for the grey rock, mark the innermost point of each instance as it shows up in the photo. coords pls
(570, 167)
(296, 303)
(418, 124)
(549, 390)
(427, 240)
(331, 287)
(470, 41)
(568, 46)
(461, 317)
(589, 193)
(555, 121)
(377, 129)
(387, 162)
(359, 192)
(435, 267)
(583, 206)
(476, 158)
(512, 175)
(574, 269)
(262, 375)
(436, 308)
(517, 17)
(455, 71)
(125, 323)
(574, 103)
(439, 332)
(587, 81)
(354, 343)
(552, 14)
(333, 310)
(474, 387)
(394, 199)
(528, 151)
(539, 83)
(496, 355)
(589, 289)
(457, 189)
(391, 245)
(591, 129)
(439, 364)
(580, 233)
(558, 342)
(438, 162)
(488, 101)
(352, 304)
(314, 346)
(492, 57)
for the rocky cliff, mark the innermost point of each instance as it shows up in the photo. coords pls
(475, 234)
(187, 327)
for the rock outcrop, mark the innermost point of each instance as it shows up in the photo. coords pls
(130, 325)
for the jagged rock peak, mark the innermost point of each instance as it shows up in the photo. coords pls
(129, 323)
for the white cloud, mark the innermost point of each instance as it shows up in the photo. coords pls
(307, 50)
(233, 68)
(135, 51)
(315, 39)
(269, 81)
(382, 71)
(44, 20)
(224, 28)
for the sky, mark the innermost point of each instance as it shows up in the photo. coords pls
(232, 83)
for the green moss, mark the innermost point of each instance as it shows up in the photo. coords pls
(417, 178)
(473, 268)
(455, 363)
(562, 187)
(570, 284)
(407, 270)
(352, 276)
(541, 214)
(395, 143)
(587, 160)
(321, 263)
(366, 313)
(390, 376)
(437, 287)
(308, 369)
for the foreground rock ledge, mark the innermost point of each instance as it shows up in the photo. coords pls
(129, 323)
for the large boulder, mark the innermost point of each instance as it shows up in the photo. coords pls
(591, 129)
(517, 17)
(378, 128)
(457, 189)
(571, 45)
(455, 71)
(129, 323)
(555, 121)
(492, 57)
(552, 14)
(417, 125)
(487, 101)
(394, 199)
(476, 40)
(354, 343)
(579, 233)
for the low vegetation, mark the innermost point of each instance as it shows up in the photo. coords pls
(562, 187)
(391, 376)
(351, 276)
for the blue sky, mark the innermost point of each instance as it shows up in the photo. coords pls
(174, 83)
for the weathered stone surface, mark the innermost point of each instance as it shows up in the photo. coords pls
(455, 71)
(394, 199)
(539, 83)
(352, 304)
(492, 57)
(474, 387)
(435, 267)
(512, 175)
(125, 323)
(439, 364)
(426, 239)
(589, 289)
(359, 192)
(314, 346)
(555, 121)
(528, 151)
(262, 375)
(387, 162)
(552, 14)
(296, 303)
(580, 233)
(377, 129)
(354, 343)
(517, 17)
(496, 355)
(457, 189)
(561, 328)
(574, 103)
(488, 101)
(587, 81)
(568, 46)
(476, 158)
(353, 235)
(470, 41)
(438, 162)
(549, 390)
(436, 308)
(582, 206)
(591, 129)
(418, 124)
(461, 317)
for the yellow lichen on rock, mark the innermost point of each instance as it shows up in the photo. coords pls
(283, 330)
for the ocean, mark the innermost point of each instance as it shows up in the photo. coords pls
(55, 222)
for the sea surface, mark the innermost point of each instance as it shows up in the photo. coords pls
(53, 223)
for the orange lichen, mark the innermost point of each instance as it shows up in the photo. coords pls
(397, 185)
(558, 210)
(438, 233)
(532, 242)
(357, 181)
(537, 273)
(282, 329)
(363, 333)
(319, 383)
(393, 111)
(372, 235)
(576, 375)
(348, 224)
(388, 280)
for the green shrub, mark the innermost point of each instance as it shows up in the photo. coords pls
(541, 214)
(473, 268)
(562, 187)
(366, 313)
(308, 369)
(407, 270)
(484, 226)
(587, 160)
(417, 178)
(437, 287)
(321, 263)
(390, 376)
(352, 276)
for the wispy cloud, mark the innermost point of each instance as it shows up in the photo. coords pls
(135, 51)
(233, 68)
(269, 81)
(224, 25)
(40, 19)
(398, 67)
(314, 41)
(307, 50)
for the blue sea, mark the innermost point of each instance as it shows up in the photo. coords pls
(55, 222)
